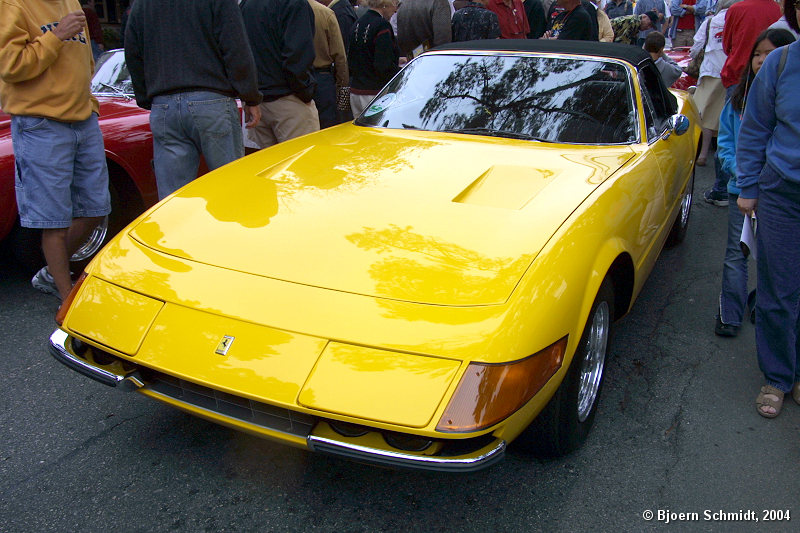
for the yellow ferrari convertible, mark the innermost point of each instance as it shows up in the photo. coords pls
(417, 288)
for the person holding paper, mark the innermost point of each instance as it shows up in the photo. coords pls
(733, 297)
(768, 164)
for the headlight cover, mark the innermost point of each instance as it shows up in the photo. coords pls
(488, 393)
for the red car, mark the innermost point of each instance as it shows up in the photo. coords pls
(129, 153)
(682, 58)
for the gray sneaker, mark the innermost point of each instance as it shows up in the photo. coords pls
(44, 282)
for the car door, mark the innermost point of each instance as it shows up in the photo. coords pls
(673, 153)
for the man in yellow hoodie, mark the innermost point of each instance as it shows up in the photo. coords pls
(61, 176)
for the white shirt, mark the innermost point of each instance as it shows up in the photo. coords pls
(714, 57)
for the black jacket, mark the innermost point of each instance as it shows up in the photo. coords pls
(575, 25)
(589, 7)
(281, 34)
(346, 15)
(536, 18)
(189, 45)
(373, 53)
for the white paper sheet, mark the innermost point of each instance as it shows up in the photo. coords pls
(748, 238)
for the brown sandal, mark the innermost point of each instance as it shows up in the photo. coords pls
(763, 401)
(796, 393)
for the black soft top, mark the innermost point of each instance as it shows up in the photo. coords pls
(626, 52)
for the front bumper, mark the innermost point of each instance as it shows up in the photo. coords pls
(262, 419)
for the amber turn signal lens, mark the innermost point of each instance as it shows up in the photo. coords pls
(488, 393)
(62, 311)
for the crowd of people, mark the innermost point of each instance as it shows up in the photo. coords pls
(301, 65)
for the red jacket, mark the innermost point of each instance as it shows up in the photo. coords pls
(743, 22)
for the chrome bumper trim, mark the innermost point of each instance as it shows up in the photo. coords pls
(58, 349)
(405, 460)
(491, 454)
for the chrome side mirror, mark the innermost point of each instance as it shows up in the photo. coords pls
(677, 124)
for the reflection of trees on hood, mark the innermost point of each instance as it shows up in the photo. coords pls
(417, 266)
(538, 96)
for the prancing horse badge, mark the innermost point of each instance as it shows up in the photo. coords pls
(224, 345)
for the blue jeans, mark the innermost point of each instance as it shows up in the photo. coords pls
(721, 177)
(733, 298)
(673, 28)
(778, 288)
(186, 125)
(325, 99)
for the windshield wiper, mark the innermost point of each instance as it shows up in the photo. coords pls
(496, 133)
(117, 90)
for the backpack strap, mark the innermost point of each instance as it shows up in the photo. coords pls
(782, 62)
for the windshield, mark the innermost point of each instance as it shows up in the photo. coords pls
(111, 75)
(551, 99)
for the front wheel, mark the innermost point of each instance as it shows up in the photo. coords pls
(566, 421)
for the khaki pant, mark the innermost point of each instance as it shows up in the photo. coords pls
(284, 119)
(683, 38)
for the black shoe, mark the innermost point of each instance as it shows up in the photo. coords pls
(725, 330)
(716, 197)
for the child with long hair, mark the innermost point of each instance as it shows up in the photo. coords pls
(733, 298)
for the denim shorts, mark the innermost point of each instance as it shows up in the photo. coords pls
(60, 171)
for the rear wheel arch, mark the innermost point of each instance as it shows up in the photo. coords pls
(130, 197)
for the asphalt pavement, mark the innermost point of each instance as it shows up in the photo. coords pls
(677, 439)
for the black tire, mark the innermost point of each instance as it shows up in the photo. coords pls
(678, 232)
(566, 421)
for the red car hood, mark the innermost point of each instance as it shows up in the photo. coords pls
(110, 106)
(681, 56)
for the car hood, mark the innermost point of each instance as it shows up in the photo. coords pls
(110, 106)
(115, 106)
(406, 215)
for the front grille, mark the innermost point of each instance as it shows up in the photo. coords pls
(229, 405)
